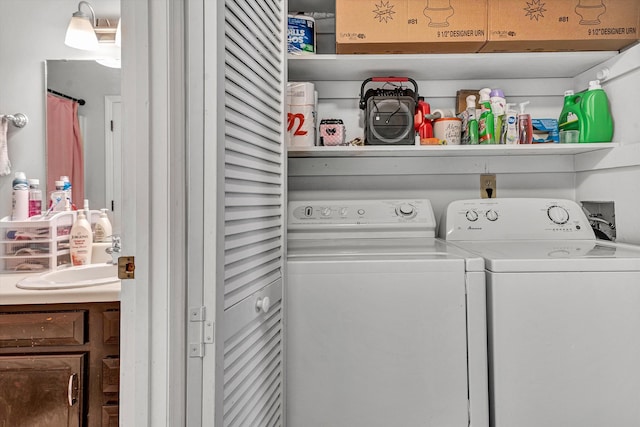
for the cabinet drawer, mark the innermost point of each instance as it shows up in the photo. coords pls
(110, 416)
(111, 327)
(42, 329)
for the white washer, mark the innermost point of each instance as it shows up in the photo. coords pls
(563, 313)
(385, 324)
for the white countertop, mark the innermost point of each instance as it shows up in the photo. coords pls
(12, 295)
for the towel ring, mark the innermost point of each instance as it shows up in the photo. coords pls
(19, 120)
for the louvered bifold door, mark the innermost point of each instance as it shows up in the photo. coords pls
(254, 212)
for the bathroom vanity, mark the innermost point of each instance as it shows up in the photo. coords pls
(59, 356)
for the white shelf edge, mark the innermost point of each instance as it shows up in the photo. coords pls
(336, 67)
(448, 150)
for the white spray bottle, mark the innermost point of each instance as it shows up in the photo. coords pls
(511, 125)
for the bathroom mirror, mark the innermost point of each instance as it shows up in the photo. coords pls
(99, 122)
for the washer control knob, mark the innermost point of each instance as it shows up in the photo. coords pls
(491, 215)
(558, 214)
(472, 215)
(343, 211)
(405, 210)
(325, 211)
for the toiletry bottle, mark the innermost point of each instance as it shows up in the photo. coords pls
(486, 122)
(511, 125)
(58, 197)
(81, 241)
(498, 109)
(20, 198)
(35, 198)
(596, 124)
(103, 227)
(67, 190)
(525, 127)
(472, 126)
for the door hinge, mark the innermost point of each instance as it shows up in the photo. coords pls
(201, 331)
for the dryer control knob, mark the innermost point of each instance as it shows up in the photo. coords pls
(491, 215)
(325, 211)
(558, 214)
(405, 210)
(472, 215)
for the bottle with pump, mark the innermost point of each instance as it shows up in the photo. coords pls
(20, 198)
(103, 227)
(35, 198)
(498, 109)
(81, 241)
(525, 126)
(58, 197)
(486, 122)
(596, 124)
(472, 123)
(511, 125)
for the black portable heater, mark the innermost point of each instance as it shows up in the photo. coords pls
(389, 111)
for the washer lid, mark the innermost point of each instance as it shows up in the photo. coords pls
(555, 255)
(362, 249)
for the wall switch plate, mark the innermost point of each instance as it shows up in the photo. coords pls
(488, 188)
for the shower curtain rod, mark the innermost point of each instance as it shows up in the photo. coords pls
(79, 101)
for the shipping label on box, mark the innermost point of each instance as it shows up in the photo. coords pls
(410, 26)
(561, 25)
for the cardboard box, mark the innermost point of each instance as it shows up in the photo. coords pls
(410, 26)
(561, 25)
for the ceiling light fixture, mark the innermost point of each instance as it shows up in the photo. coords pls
(81, 31)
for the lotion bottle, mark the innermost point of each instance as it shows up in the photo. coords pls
(81, 241)
(103, 227)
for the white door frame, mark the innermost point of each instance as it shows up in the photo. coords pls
(153, 313)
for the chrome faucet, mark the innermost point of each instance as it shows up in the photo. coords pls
(114, 250)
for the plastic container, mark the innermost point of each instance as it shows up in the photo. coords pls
(35, 198)
(569, 136)
(511, 126)
(499, 110)
(20, 198)
(472, 125)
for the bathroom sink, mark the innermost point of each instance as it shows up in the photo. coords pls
(72, 277)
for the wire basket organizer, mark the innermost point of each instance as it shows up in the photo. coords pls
(37, 244)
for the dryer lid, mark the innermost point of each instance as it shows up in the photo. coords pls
(555, 256)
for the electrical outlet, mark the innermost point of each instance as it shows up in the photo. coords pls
(488, 187)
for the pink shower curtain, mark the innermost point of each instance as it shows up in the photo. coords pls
(64, 146)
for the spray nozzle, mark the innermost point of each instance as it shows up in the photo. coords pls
(485, 94)
(471, 101)
(522, 105)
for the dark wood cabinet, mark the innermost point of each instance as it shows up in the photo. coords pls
(59, 365)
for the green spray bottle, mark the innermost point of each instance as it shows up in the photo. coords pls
(486, 123)
(472, 122)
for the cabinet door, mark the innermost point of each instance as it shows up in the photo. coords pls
(249, 194)
(43, 391)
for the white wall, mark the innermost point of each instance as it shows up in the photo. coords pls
(32, 31)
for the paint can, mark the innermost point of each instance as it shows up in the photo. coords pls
(301, 35)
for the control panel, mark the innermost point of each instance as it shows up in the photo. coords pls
(515, 219)
(383, 216)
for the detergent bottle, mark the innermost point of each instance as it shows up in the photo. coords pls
(596, 124)
(570, 115)
(472, 124)
(486, 123)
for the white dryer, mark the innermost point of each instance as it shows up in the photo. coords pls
(385, 324)
(563, 313)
